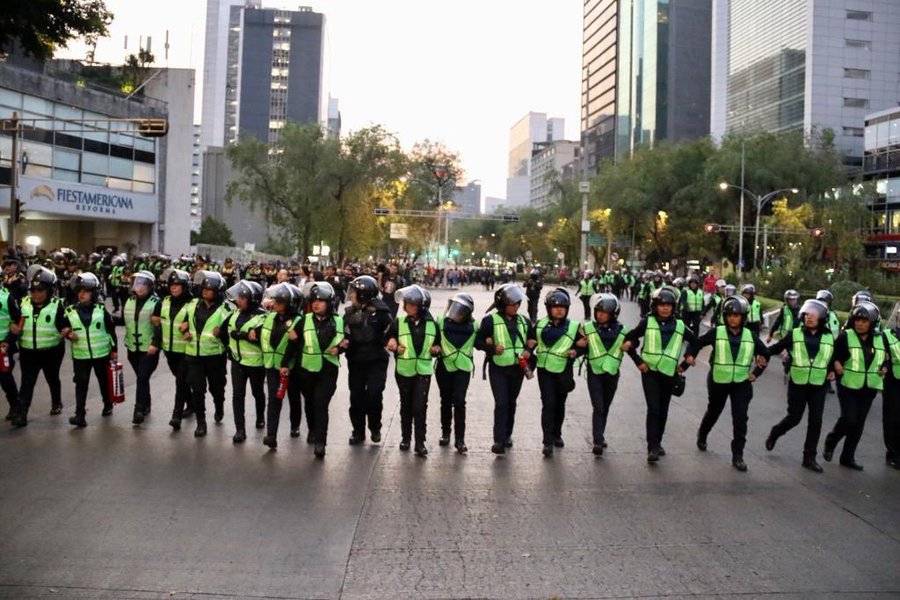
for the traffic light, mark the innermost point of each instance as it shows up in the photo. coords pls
(153, 127)
(381, 212)
(710, 228)
(817, 232)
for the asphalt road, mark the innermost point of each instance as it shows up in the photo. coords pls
(113, 511)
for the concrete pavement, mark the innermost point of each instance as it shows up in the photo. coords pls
(113, 511)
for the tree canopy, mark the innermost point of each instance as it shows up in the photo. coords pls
(40, 26)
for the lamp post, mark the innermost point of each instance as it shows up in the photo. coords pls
(761, 201)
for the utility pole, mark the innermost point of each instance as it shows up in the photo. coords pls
(741, 226)
(765, 245)
(585, 188)
(14, 182)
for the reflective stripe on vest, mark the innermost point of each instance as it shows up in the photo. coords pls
(312, 356)
(457, 359)
(39, 331)
(856, 375)
(658, 359)
(694, 300)
(586, 288)
(726, 368)
(245, 352)
(171, 334)
(555, 358)
(804, 371)
(600, 359)
(4, 312)
(894, 349)
(139, 334)
(272, 357)
(92, 341)
(206, 343)
(511, 348)
(410, 364)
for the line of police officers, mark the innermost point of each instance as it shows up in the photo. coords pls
(286, 341)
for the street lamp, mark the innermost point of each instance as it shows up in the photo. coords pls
(761, 201)
(540, 223)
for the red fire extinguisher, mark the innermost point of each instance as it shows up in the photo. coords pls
(115, 382)
(282, 387)
(4, 361)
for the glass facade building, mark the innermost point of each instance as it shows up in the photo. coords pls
(881, 164)
(599, 68)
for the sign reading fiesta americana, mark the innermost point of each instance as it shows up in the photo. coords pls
(87, 201)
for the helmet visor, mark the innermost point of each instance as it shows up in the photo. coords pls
(458, 312)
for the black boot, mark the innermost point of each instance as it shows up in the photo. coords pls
(770, 441)
(239, 436)
(559, 443)
(319, 451)
(175, 424)
(461, 447)
(445, 439)
(701, 442)
(852, 464)
(107, 410)
(219, 414)
(356, 439)
(404, 445)
(295, 433)
(548, 450)
(138, 417)
(828, 449)
(78, 421)
(260, 423)
(201, 429)
(56, 410)
(598, 449)
(653, 455)
(376, 436)
(421, 450)
(498, 449)
(738, 463)
(270, 441)
(809, 462)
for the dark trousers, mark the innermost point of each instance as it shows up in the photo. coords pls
(203, 371)
(740, 395)
(506, 383)
(273, 412)
(657, 393)
(32, 363)
(143, 364)
(317, 390)
(8, 383)
(692, 320)
(586, 304)
(452, 387)
(855, 405)
(413, 406)
(602, 390)
(890, 416)
(178, 367)
(553, 403)
(366, 380)
(798, 397)
(240, 375)
(82, 377)
(533, 303)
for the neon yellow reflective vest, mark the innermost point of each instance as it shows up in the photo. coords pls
(139, 333)
(657, 358)
(586, 288)
(410, 364)
(244, 352)
(601, 359)
(457, 359)
(92, 341)
(205, 343)
(171, 334)
(804, 371)
(39, 330)
(4, 312)
(693, 300)
(856, 376)
(554, 358)
(893, 346)
(727, 368)
(755, 315)
(273, 356)
(787, 320)
(311, 359)
(511, 348)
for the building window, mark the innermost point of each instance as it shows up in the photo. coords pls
(864, 44)
(856, 103)
(859, 15)
(856, 73)
(854, 131)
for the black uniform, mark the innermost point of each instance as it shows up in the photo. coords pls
(176, 361)
(242, 374)
(365, 328)
(555, 387)
(145, 363)
(7, 380)
(82, 367)
(414, 390)
(317, 388)
(454, 385)
(890, 412)
(602, 387)
(533, 288)
(47, 360)
(203, 371)
(273, 381)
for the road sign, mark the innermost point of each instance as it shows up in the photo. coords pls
(584, 187)
(399, 231)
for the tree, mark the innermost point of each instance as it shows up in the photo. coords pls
(39, 26)
(213, 232)
(136, 69)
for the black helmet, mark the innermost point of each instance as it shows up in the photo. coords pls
(250, 290)
(736, 305)
(413, 294)
(862, 296)
(93, 257)
(865, 310)
(791, 295)
(508, 293)
(172, 276)
(535, 274)
(557, 297)
(365, 288)
(298, 298)
(41, 279)
(281, 293)
(85, 281)
(607, 303)
(460, 308)
(321, 290)
(209, 280)
(748, 288)
(663, 295)
(730, 289)
(815, 307)
(825, 296)
(693, 279)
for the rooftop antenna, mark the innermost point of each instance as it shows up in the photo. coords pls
(166, 46)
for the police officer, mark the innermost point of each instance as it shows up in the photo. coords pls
(114, 281)
(320, 334)
(279, 357)
(587, 287)
(143, 338)
(735, 362)
(9, 314)
(811, 348)
(890, 412)
(559, 341)
(605, 337)
(40, 330)
(691, 304)
(503, 335)
(455, 366)
(173, 312)
(414, 339)
(663, 338)
(754, 317)
(93, 336)
(833, 324)
(239, 333)
(366, 322)
(787, 316)
(533, 287)
(205, 352)
(860, 363)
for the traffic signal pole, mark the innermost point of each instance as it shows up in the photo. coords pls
(14, 183)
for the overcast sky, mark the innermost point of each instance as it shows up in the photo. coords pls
(458, 71)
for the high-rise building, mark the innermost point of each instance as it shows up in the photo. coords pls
(467, 199)
(645, 74)
(547, 159)
(781, 65)
(196, 179)
(334, 118)
(533, 128)
(882, 165)
(263, 68)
